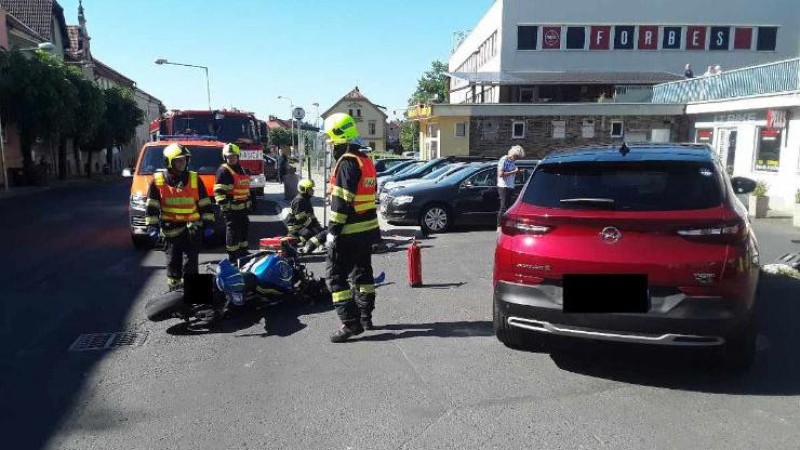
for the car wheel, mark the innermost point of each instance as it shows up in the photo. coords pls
(738, 352)
(435, 219)
(505, 333)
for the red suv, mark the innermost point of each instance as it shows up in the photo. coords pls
(640, 244)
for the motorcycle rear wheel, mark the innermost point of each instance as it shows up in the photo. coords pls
(165, 306)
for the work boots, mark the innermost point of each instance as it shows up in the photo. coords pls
(344, 333)
(366, 323)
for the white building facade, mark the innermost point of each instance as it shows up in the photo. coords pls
(751, 117)
(580, 43)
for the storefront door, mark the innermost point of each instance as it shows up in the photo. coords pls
(726, 148)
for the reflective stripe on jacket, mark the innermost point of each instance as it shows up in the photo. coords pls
(178, 204)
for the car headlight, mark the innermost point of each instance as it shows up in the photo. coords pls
(403, 199)
(256, 179)
(138, 202)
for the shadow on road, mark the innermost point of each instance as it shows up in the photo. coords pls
(435, 329)
(776, 370)
(78, 276)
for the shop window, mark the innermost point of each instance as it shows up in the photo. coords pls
(768, 150)
(704, 136)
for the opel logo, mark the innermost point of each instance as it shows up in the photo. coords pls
(610, 235)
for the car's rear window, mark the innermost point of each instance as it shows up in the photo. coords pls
(204, 160)
(630, 186)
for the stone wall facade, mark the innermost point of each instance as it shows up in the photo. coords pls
(492, 136)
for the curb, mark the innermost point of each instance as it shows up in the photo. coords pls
(55, 186)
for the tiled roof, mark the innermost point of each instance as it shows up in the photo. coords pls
(355, 94)
(15, 23)
(37, 14)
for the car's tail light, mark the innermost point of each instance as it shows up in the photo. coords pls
(512, 226)
(724, 233)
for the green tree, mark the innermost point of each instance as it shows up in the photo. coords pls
(280, 137)
(432, 86)
(118, 125)
(36, 97)
(409, 135)
(88, 111)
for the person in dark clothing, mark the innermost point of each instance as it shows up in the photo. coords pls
(687, 71)
(179, 210)
(302, 223)
(232, 194)
(283, 163)
(352, 229)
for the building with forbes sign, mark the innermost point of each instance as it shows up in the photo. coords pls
(547, 75)
(533, 51)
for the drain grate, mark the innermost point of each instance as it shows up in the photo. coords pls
(105, 341)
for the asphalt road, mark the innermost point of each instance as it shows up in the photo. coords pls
(431, 376)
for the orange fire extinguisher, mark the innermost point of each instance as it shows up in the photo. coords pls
(414, 265)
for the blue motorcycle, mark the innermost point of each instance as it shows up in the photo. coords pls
(265, 278)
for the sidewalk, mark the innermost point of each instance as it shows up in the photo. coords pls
(58, 184)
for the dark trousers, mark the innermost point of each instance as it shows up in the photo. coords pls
(351, 258)
(309, 232)
(505, 197)
(182, 254)
(237, 226)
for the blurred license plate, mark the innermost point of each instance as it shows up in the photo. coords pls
(619, 293)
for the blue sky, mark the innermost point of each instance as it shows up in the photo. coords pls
(310, 51)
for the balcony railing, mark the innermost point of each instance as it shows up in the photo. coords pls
(782, 76)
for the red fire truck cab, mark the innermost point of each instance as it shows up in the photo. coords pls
(239, 127)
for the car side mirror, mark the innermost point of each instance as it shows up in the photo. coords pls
(127, 173)
(742, 185)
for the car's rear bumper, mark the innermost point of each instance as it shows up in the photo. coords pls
(675, 319)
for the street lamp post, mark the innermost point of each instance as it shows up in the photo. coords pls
(162, 61)
(291, 118)
(44, 46)
(316, 125)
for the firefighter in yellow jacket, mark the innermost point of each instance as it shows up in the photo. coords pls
(352, 229)
(232, 194)
(179, 210)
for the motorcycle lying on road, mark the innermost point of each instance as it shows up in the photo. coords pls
(259, 280)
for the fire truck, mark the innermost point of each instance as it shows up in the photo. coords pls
(239, 127)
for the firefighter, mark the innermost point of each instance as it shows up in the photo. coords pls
(232, 193)
(179, 210)
(301, 222)
(352, 229)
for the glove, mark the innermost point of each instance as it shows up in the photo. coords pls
(153, 232)
(208, 232)
(330, 241)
